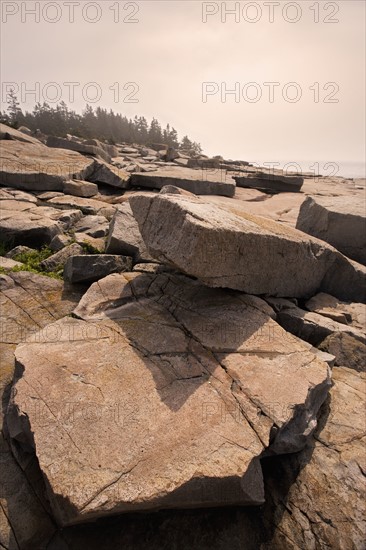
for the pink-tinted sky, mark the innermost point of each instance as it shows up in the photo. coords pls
(313, 51)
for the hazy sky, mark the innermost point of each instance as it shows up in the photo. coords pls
(169, 52)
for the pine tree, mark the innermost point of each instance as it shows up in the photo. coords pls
(14, 110)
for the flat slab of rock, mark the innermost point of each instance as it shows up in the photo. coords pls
(124, 235)
(162, 396)
(87, 206)
(33, 226)
(35, 167)
(340, 221)
(80, 188)
(92, 267)
(6, 132)
(247, 253)
(80, 147)
(273, 181)
(199, 182)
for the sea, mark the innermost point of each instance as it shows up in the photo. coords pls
(342, 169)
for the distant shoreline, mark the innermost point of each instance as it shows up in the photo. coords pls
(343, 169)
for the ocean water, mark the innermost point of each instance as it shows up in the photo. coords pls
(342, 169)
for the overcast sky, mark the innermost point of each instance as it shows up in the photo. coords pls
(182, 54)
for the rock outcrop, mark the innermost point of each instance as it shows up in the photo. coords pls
(200, 182)
(316, 499)
(81, 147)
(340, 221)
(244, 252)
(180, 397)
(28, 303)
(267, 181)
(35, 167)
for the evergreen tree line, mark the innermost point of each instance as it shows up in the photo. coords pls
(93, 124)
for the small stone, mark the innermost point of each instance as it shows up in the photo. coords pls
(91, 268)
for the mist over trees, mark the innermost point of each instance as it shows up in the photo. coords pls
(95, 123)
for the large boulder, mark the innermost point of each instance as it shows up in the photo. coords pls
(110, 175)
(32, 225)
(124, 235)
(85, 148)
(269, 181)
(161, 395)
(199, 182)
(35, 167)
(91, 267)
(245, 252)
(340, 221)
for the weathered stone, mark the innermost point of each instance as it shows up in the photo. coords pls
(340, 221)
(199, 182)
(59, 242)
(19, 250)
(347, 350)
(7, 133)
(7, 193)
(80, 188)
(7, 263)
(111, 150)
(35, 167)
(128, 150)
(95, 226)
(48, 195)
(28, 303)
(274, 181)
(33, 227)
(25, 130)
(348, 313)
(245, 253)
(197, 402)
(110, 175)
(173, 190)
(92, 267)
(68, 218)
(124, 235)
(152, 268)
(318, 497)
(204, 163)
(346, 343)
(95, 245)
(86, 206)
(80, 147)
(58, 260)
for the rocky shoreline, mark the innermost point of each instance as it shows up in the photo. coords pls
(183, 343)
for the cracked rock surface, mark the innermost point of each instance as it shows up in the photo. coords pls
(28, 304)
(246, 252)
(163, 394)
(316, 499)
